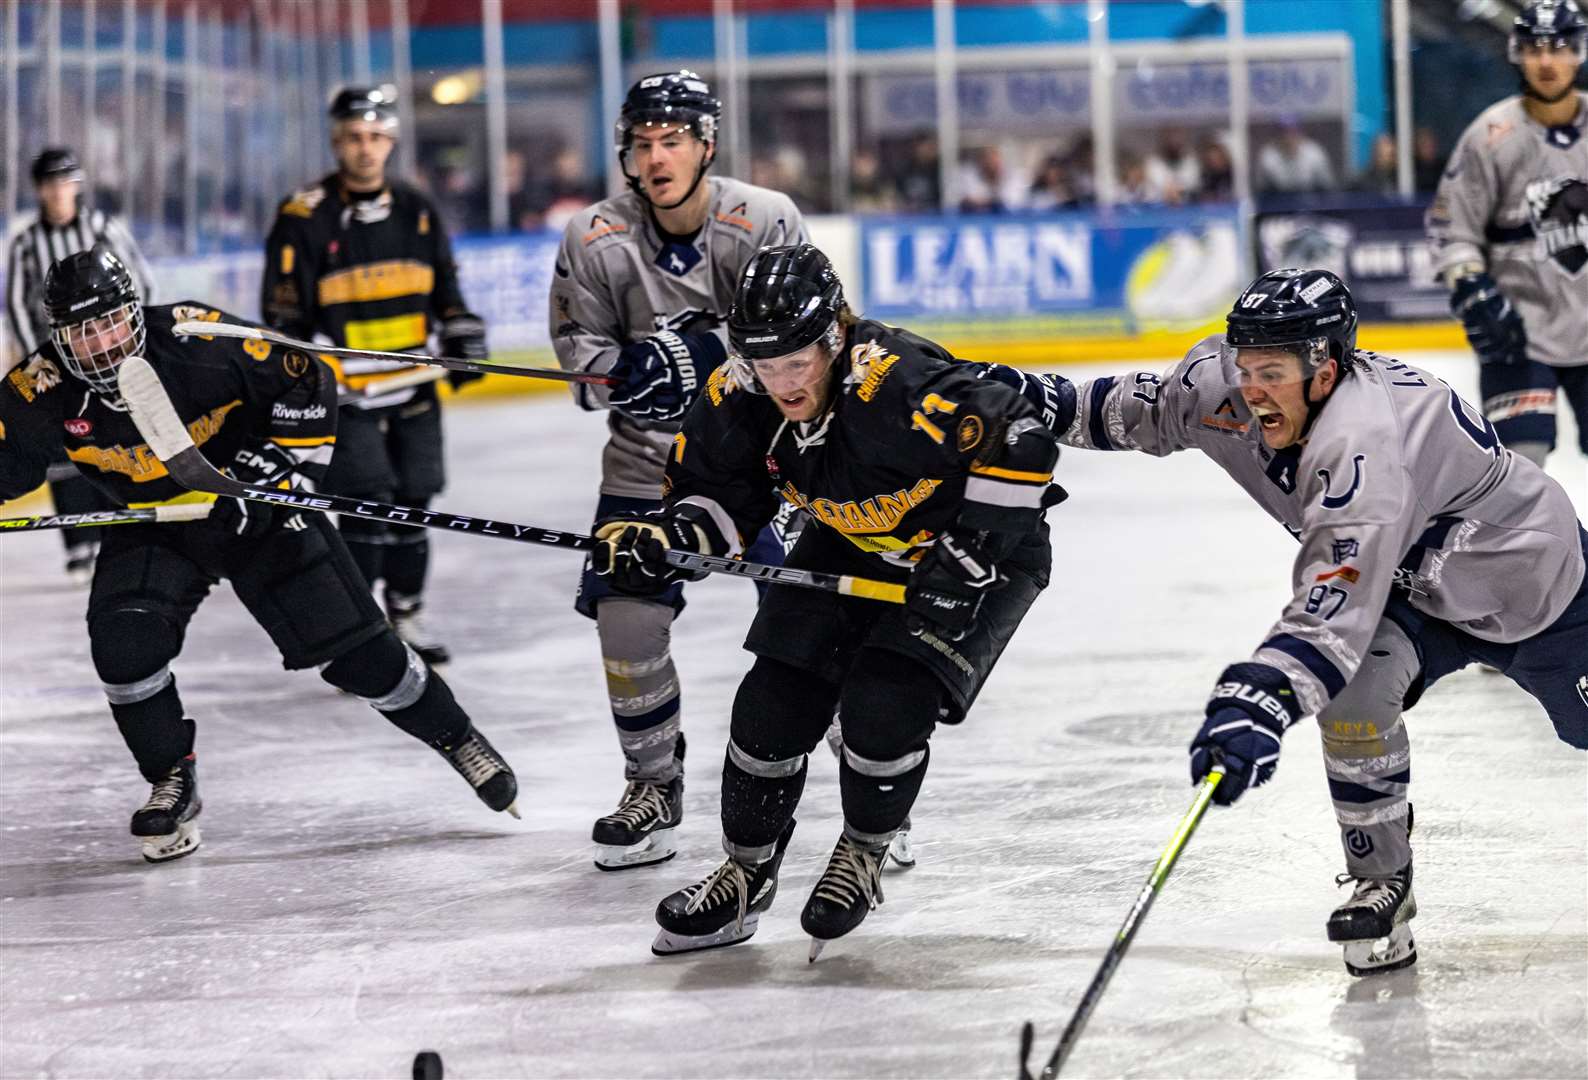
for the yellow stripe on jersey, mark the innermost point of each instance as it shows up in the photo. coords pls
(1012, 474)
(376, 281)
(386, 335)
(318, 440)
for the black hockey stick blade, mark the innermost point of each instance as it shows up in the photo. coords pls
(193, 511)
(201, 328)
(1122, 940)
(158, 422)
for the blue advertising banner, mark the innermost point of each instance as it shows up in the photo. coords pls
(1127, 271)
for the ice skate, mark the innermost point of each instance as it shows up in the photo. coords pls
(406, 614)
(900, 850)
(849, 888)
(1374, 925)
(168, 823)
(486, 771)
(640, 831)
(723, 909)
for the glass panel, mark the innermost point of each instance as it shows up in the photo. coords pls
(449, 122)
(790, 149)
(108, 178)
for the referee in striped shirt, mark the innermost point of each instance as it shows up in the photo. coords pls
(64, 227)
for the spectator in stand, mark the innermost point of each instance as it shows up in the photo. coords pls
(1135, 189)
(1051, 189)
(987, 185)
(1082, 166)
(920, 186)
(1294, 163)
(1173, 170)
(1428, 159)
(1381, 176)
(1218, 172)
(869, 192)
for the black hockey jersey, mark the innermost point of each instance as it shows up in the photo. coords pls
(255, 410)
(373, 273)
(910, 447)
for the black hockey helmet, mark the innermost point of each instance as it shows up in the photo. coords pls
(1559, 23)
(56, 162)
(789, 297)
(374, 104)
(95, 314)
(1310, 311)
(679, 98)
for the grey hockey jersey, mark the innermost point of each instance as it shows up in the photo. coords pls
(1400, 483)
(616, 282)
(1493, 207)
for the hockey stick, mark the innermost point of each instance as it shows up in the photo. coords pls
(158, 514)
(1121, 942)
(168, 437)
(200, 328)
(391, 384)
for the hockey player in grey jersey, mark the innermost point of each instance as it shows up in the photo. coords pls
(1509, 228)
(1425, 546)
(642, 282)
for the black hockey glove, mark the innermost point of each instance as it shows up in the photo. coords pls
(1493, 327)
(463, 338)
(631, 552)
(244, 518)
(1251, 707)
(662, 374)
(947, 587)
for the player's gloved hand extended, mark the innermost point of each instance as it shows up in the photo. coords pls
(244, 518)
(662, 374)
(463, 338)
(631, 552)
(1251, 707)
(1494, 329)
(947, 586)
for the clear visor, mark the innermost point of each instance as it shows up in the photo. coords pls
(93, 349)
(1577, 45)
(1311, 353)
(783, 374)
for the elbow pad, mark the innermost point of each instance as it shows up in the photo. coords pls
(1011, 481)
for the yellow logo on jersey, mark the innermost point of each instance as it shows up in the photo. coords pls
(22, 383)
(720, 383)
(871, 364)
(139, 463)
(386, 280)
(875, 515)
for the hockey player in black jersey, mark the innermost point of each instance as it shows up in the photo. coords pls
(914, 468)
(266, 416)
(365, 261)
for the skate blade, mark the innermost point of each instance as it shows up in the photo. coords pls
(184, 841)
(512, 808)
(655, 848)
(817, 945)
(1377, 956)
(668, 943)
(901, 851)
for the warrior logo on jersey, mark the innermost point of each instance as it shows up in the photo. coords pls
(1559, 209)
(1335, 502)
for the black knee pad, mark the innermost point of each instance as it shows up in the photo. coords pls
(130, 644)
(370, 670)
(780, 712)
(890, 704)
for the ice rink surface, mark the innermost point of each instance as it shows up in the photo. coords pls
(353, 903)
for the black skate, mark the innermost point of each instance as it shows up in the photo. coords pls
(406, 615)
(900, 850)
(640, 831)
(168, 822)
(723, 909)
(1375, 924)
(849, 888)
(486, 771)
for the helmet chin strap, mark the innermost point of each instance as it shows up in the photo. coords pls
(1528, 91)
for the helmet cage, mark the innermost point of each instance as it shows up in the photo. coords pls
(1576, 42)
(94, 347)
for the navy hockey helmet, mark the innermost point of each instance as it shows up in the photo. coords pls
(788, 298)
(95, 314)
(371, 104)
(1559, 23)
(675, 98)
(56, 163)
(1308, 311)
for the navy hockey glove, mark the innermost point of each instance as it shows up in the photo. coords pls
(1251, 707)
(463, 338)
(661, 375)
(1493, 327)
(947, 587)
(631, 552)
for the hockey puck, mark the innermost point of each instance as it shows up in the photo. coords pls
(427, 1065)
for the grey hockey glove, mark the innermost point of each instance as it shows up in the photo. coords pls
(1493, 327)
(631, 552)
(463, 338)
(661, 375)
(948, 585)
(1251, 707)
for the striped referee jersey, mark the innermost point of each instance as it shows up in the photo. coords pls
(38, 247)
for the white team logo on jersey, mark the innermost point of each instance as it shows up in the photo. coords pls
(1559, 211)
(1582, 688)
